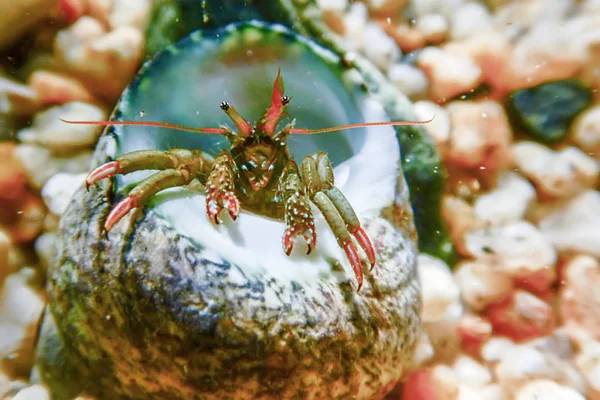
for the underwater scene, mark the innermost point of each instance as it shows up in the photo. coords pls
(300, 199)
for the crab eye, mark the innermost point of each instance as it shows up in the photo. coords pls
(224, 106)
(285, 100)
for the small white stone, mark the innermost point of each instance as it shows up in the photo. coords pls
(444, 7)
(41, 164)
(45, 248)
(470, 19)
(588, 362)
(48, 130)
(481, 283)
(71, 43)
(585, 131)
(379, 48)
(424, 350)
(480, 135)
(408, 79)
(546, 389)
(134, 13)
(525, 363)
(558, 174)
(496, 348)
(580, 297)
(461, 218)
(488, 392)
(471, 373)
(333, 5)
(576, 226)
(449, 75)
(518, 247)
(59, 189)
(355, 22)
(433, 26)
(441, 295)
(34, 392)
(439, 128)
(507, 202)
(20, 310)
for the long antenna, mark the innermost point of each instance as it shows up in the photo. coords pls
(300, 131)
(149, 123)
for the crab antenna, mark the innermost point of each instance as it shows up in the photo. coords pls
(243, 126)
(300, 131)
(220, 131)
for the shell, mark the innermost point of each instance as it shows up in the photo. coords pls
(163, 308)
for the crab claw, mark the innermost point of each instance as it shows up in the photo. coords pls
(308, 232)
(354, 259)
(103, 171)
(364, 242)
(119, 211)
(217, 200)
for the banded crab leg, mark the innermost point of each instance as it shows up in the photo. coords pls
(220, 188)
(317, 175)
(298, 214)
(178, 167)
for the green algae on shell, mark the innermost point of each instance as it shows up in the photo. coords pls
(172, 307)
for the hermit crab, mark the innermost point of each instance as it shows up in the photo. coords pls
(256, 173)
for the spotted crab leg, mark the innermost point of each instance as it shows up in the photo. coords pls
(339, 214)
(178, 167)
(298, 214)
(220, 188)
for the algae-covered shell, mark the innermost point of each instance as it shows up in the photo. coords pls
(170, 306)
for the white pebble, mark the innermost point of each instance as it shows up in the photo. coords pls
(585, 131)
(518, 247)
(507, 202)
(34, 392)
(20, 309)
(576, 226)
(588, 362)
(434, 27)
(471, 373)
(409, 79)
(41, 164)
(449, 74)
(45, 248)
(338, 6)
(439, 128)
(424, 350)
(470, 19)
(441, 296)
(379, 48)
(481, 283)
(580, 297)
(59, 189)
(48, 130)
(559, 174)
(355, 22)
(546, 389)
(480, 135)
(495, 348)
(444, 7)
(133, 13)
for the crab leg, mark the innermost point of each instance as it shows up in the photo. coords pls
(144, 190)
(298, 215)
(185, 167)
(140, 160)
(318, 178)
(220, 188)
(343, 206)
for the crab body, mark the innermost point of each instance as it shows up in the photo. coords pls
(255, 174)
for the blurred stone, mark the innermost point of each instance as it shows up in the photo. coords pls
(547, 389)
(576, 226)
(585, 131)
(546, 111)
(481, 283)
(16, 19)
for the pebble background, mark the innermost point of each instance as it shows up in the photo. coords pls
(514, 88)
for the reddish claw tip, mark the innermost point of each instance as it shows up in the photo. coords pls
(354, 262)
(119, 211)
(309, 236)
(104, 171)
(365, 243)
